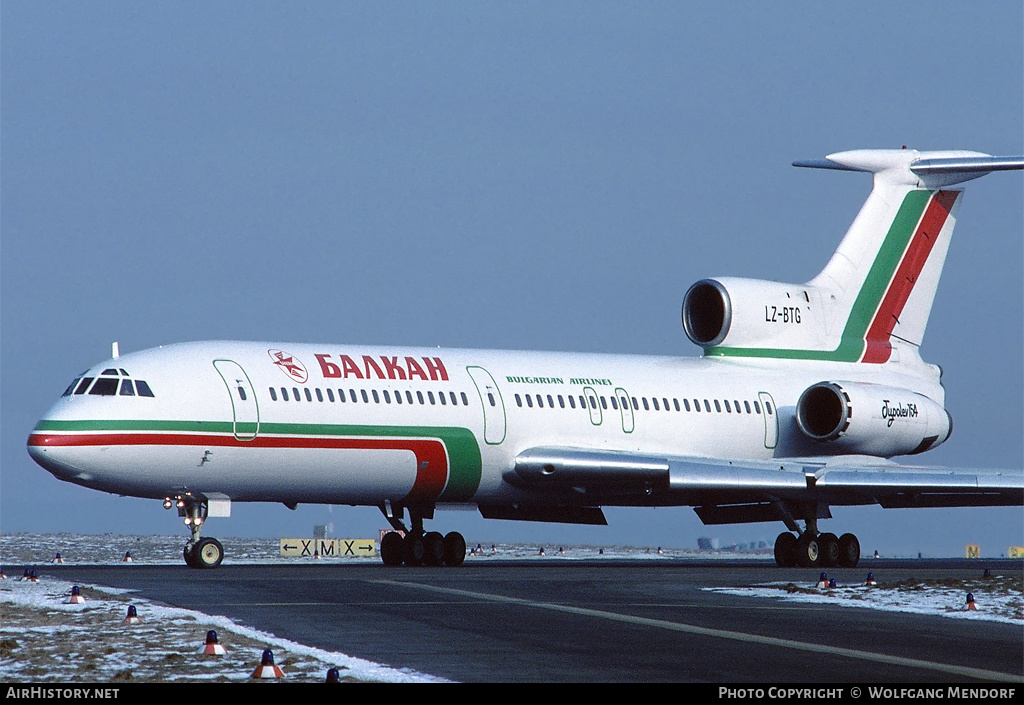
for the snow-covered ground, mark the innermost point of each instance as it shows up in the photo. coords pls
(43, 638)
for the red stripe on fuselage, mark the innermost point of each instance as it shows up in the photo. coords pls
(914, 259)
(431, 454)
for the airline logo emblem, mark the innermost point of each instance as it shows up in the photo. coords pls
(289, 365)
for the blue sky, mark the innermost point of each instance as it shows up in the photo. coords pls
(494, 175)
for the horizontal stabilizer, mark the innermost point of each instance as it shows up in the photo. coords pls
(934, 169)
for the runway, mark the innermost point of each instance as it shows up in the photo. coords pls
(598, 621)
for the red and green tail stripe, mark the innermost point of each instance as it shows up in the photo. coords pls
(887, 288)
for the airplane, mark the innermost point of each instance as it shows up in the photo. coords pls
(802, 397)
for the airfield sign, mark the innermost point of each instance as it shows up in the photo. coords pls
(327, 548)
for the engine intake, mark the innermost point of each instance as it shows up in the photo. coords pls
(707, 312)
(888, 421)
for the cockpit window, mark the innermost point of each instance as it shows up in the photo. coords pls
(108, 384)
(104, 387)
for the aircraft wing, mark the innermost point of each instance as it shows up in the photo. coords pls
(737, 491)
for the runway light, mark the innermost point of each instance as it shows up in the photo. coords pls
(267, 669)
(333, 676)
(76, 596)
(822, 581)
(970, 602)
(132, 617)
(212, 647)
(871, 580)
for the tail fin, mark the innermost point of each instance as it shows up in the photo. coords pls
(886, 270)
(875, 293)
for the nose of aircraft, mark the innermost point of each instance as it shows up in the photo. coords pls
(51, 451)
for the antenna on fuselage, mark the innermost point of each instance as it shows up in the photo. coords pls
(114, 352)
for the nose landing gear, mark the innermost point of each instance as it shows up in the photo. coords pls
(198, 552)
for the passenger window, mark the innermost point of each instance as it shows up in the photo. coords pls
(615, 404)
(746, 405)
(490, 398)
(330, 394)
(676, 402)
(604, 403)
(430, 398)
(707, 406)
(455, 399)
(376, 397)
(540, 402)
(440, 398)
(419, 395)
(366, 397)
(284, 394)
(728, 408)
(519, 402)
(768, 408)
(654, 401)
(309, 396)
(757, 408)
(686, 404)
(636, 407)
(273, 394)
(319, 395)
(646, 405)
(593, 403)
(241, 393)
(718, 407)
(398, 397)
(408, 396)
(387, 397)
(529, 401)
(665, 404)
(551, 402)
(572, 402)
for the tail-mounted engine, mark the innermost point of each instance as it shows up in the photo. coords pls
(753, 313)
(870, 419)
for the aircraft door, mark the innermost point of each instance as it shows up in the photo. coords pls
(771, 419)
(494, 407)
(594, 405)
(628, 423)
(245, 411)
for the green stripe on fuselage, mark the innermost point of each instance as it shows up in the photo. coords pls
(852, 343)
(465, 464)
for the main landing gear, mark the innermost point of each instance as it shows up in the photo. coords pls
(813, 550)
(198, 552)
(416, 547)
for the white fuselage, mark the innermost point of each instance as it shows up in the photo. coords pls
(359, 425)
